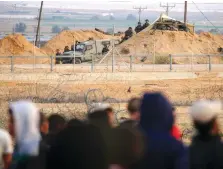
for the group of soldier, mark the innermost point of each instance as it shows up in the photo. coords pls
(140, 27)
(129, 33)
(67, 49)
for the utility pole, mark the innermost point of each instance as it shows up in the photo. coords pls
(140, 9)
(38, 26)
(185, 12)
(14, 25)
(167, 6)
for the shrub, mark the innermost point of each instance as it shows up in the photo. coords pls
(125, 51)
(162, 60)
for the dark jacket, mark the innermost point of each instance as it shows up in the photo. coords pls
(128, 124)
(206, 153)
(80, 147)
(163, 150)
(139, 139)
(31, 162)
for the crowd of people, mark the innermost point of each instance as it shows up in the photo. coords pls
(148, 139)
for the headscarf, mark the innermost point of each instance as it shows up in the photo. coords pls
(26, 121)
(156, 113)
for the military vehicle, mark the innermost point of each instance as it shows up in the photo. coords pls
(84, 51)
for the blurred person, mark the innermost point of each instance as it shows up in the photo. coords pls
(175, 131)
(44, 126)
(121, 143)
(6, 149)
(138, 28)
(56, 124)
(131, 124)
(58, 52)
(29, 151)
(206, 149)
(101, 115)
(163, 151)
(105, 49)
(75, 122)
(146, 24)
(80, 147)
(124, 148)
(133, 108)
(128, 34)
(66, 49)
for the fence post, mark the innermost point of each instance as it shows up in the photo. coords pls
(51, 63)
(209, 56)
(171, 60)
(131, 63)
(12, 64)
(92, 63)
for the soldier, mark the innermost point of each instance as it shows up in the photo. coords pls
(138, 27)
(58, 52)
(66, 49)
(128, 33)
(146, 24)
(105, 49)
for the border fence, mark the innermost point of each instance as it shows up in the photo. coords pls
(189, 62)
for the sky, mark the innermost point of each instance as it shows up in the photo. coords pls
(123, 4)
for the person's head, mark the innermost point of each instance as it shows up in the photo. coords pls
(134, 108)
(24, 119)
(78, 147)
(146, 20)
(75, 122)
(44, 124)
(156, 113)
(102, 113)
(139, 23)
(130, 28)
(56, 123)
(204, 115)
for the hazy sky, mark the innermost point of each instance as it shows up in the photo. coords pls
(123, 4)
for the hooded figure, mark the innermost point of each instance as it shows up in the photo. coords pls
(206, 149)
(163, 150)
(24, 127)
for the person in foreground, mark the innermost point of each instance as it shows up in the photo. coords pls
(29, 152)
(78, 146)
(163, 151)
(206, 149)
(133, 108)
(6, 149)
(56, 124)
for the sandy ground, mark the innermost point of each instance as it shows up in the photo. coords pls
(180, 92)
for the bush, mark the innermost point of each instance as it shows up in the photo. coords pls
(20, 27)
(162, 60)
(125, 51)
(56, 29)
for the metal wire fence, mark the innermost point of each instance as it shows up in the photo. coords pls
(170, 63)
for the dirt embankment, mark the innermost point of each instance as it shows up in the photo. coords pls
(170, 42)
(67, 38)
(17, 45)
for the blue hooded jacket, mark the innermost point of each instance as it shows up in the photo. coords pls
(163, 150)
